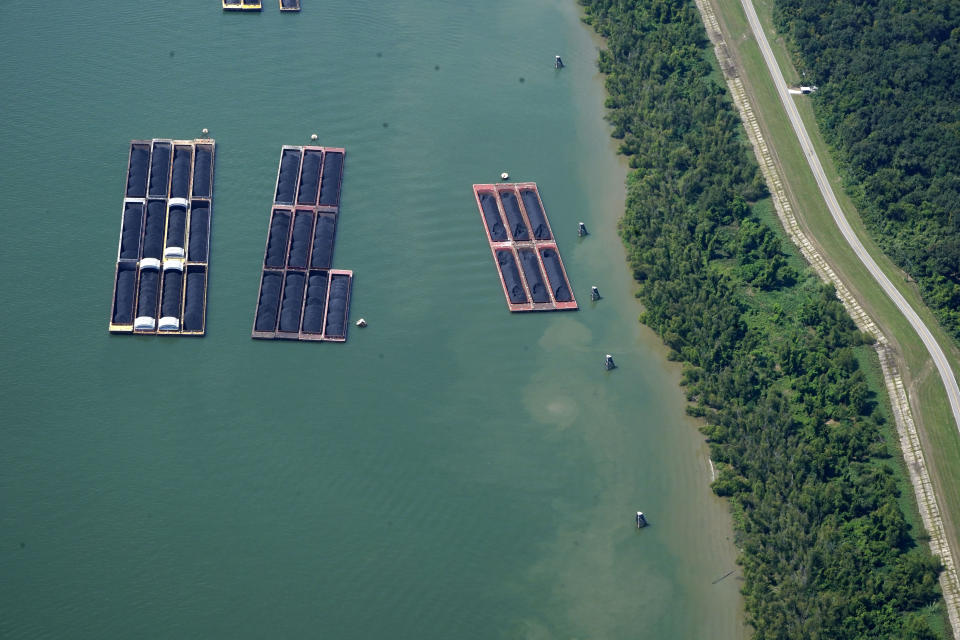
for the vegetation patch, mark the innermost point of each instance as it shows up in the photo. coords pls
(770, 354)
(888, 105)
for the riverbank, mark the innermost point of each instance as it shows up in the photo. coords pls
(771, 355)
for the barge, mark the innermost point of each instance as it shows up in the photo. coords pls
(289, 5)
(242, 5)
(160, 282)
(524, 248)
(301, 297)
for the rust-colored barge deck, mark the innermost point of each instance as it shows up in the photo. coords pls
(523, 247)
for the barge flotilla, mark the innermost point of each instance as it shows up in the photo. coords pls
(523, 247)
(301, 296)
(160, 282)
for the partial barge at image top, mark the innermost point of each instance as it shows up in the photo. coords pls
(289, 5)
(523, 247)
(160, 282)
(301, 296)
(242, 5)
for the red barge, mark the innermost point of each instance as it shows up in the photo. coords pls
(523, 246)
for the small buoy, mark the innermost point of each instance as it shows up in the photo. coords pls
(313, 137)
(206, 131)
(361, 322)
(581, 229)
(594, 293)
(504, 176)
(608, 363)
(641, 520)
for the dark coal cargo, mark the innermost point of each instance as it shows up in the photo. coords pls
(313, 310)
(337, 303)
(516, 223)
(138, 169)
(531, 269)
(323, 236)
(300, 240)
(538, 221)
(292, 305)
(160, 170)
(491, 216)
(162, 259)
(202, 171)
(331, 177)
(301, 296)
(130, 232)
(310, 177)
(199, 231)
(511, 276)
(287, 176)
(275, 255)
(195, 300)
(269, 301)
(558, 281)
(182, 165)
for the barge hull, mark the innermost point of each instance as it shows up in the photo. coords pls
(523, 247)
(166, 235)
(301, 297)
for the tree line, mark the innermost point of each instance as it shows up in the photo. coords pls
(771, 359)
(889, 106)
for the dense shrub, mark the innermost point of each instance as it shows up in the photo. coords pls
(889, 106)
(768, 350)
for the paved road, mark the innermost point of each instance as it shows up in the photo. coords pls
(946, 373)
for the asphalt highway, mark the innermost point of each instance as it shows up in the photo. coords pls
(936, 353)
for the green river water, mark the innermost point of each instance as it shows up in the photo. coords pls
(453, 470)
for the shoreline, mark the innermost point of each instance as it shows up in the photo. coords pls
(708, 512)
